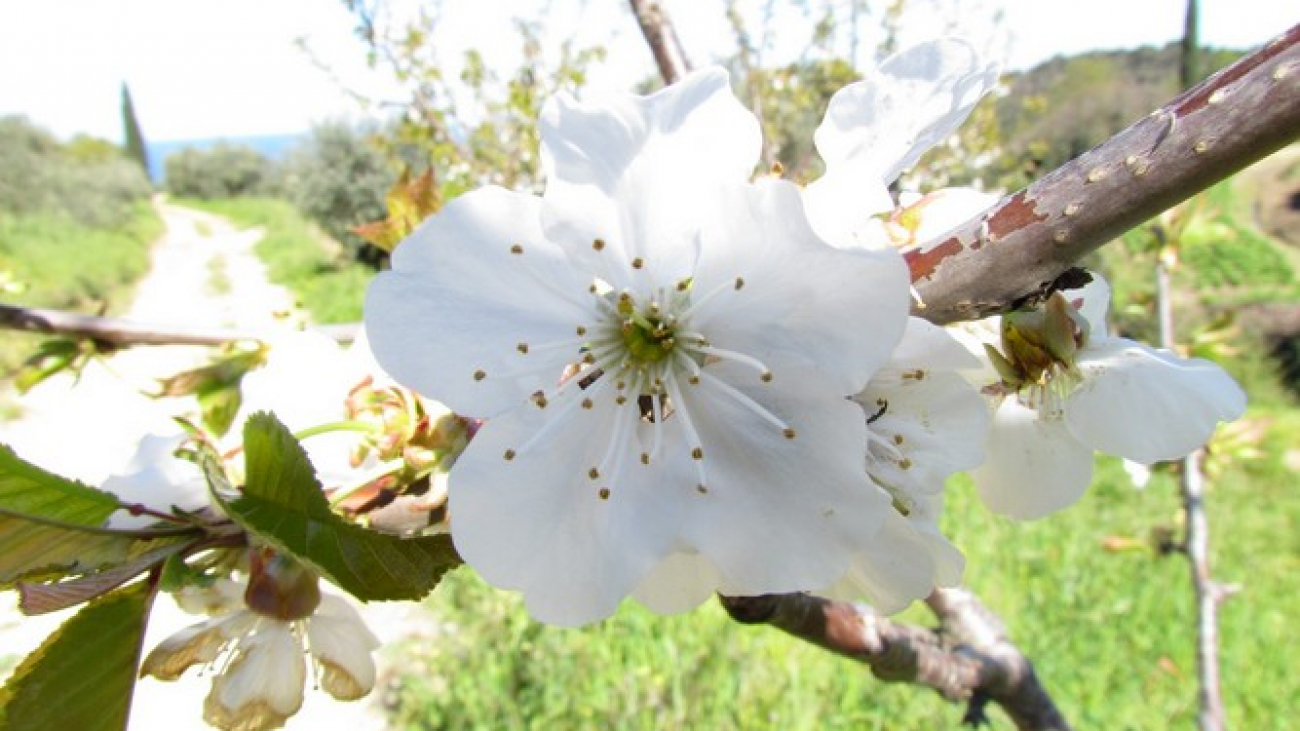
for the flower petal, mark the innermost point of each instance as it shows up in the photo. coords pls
(880, 126)
(1148, 405)
(343, 645)
(1034, 466)
(892, 569)
(778, 512)
(679, 583)
(1093, 301)
(450, 317)
(803, 305)
(263, 685)
(536, 522)
(635, 171)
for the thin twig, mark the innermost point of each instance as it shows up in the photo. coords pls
(122, 333)
(1011, 254)
(967, 659)
(662, 38)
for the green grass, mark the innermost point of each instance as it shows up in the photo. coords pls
(61, 264)
(1111, 632)
(299, 257)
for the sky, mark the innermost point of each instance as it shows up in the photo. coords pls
(230, 68)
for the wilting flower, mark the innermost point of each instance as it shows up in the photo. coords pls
(258, 683)
(1068, 389)
(662, 350)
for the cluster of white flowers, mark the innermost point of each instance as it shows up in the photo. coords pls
(696, 381)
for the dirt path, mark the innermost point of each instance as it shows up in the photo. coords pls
(204, 275)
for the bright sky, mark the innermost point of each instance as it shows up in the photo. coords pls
(207, 68)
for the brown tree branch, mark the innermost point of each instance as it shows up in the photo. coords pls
(967, 659)
(1011, 254)
(662, 38)
(121, 333)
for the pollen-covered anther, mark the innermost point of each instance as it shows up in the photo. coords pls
(480, 375)
(509, 455)
(740, 282)
(701, 489)
(581, 331)
(516, 249)
(603, 493)
(898, 439)
(697, 453)
(766, 377)
(638, 262)
(645, 458)
(683, 285)
(788, 433)
(620, 399)
(593, 473)
(586, 403)
(522, 348)
(905, 463)
(598, 244)
(539, 399)
(693, 380)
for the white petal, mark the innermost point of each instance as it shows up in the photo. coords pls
(842, 206)
(156, 478)
(679, 583)
(636, 172)
(880, 126)
(778, 512)
(1093, 301)
(1034, 466)
(458, 302)
(1147, 405)
(536, 522)
(265, 680)
(342, 643)
(891, 570)
(803, 305)
(926, 345)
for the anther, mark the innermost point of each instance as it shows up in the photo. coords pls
(522, 348)
(509, 454)
(480, 375)
(697, 453)
(582, 331)
(598, 244)
(620, 399)
(539, 398)
(603, 493)
(788, 433)
(645, 458)
(701, 489)
(586, 403)
(516, 249)
(693, 380)
(740, 282)
(593, 473)
(683, 285)
(905, 463)
(766, 377)
(898, 439)
(638, 262)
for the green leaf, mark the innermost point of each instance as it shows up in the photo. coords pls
(282, 504)
(82, 676)
(50, 524)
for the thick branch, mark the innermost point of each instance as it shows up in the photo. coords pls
(969, 658)
(662, 38)
(1013, 252)
(119, 332)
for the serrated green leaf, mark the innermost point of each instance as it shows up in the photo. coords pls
(83, 675)
(282, 504)
(42, 522)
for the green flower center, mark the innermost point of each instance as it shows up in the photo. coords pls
(648, 336)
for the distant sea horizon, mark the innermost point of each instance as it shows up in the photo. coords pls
(272, 147)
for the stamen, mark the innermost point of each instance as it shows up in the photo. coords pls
(749, 403)
(697, 304)
(692, 436)
(516, 249)
(765, 373)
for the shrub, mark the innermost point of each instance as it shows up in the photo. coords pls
(222, 171)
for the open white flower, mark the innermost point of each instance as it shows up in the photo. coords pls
(1107, 394)
(156, 478)
(662, 350)
(260, 669)
(878, 127)
(925, 422)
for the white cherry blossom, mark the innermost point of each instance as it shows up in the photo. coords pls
(260, 671)
(1118, 397)
(662, 350)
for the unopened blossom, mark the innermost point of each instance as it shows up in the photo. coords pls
(1069, 389)
(662, 350)
(258, 653)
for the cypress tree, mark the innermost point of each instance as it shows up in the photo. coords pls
(135, 148)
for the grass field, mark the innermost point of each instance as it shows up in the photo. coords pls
(46, 255)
